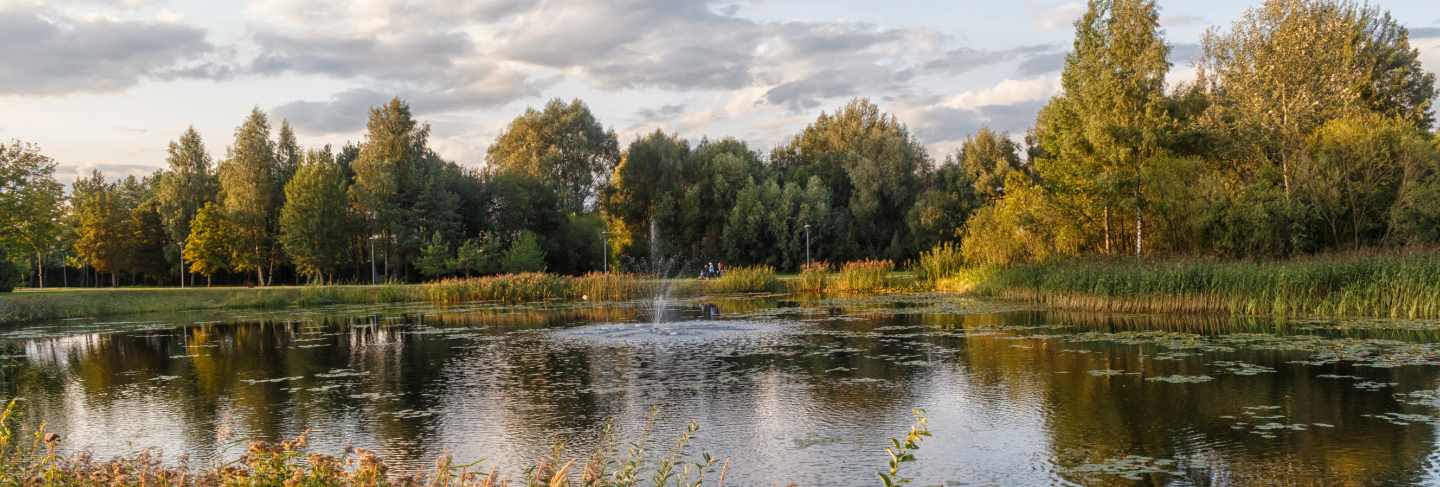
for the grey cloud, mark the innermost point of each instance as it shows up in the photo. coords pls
(810, 92)
(422, 56)
(346, 111)
(48, 54)
(659, 114)
(1041, 64)
(1424, 32)
(942, 124)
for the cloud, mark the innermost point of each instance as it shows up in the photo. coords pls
(1181, 20)
(1424, 32)
(348, 110)
(961, 60)
(1057, 17)
(51, 54)
(659, 114)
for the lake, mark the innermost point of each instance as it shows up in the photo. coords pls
(786, 389)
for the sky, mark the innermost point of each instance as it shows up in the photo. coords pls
(108, 84)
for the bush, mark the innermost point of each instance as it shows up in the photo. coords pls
(865, 276)
(812, 277)
(940, 262)
(745, 280)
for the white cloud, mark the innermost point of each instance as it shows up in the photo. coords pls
(1007, 92)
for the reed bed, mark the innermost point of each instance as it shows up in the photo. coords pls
(1402, 285)
(32, 458)
(939, 262)
(864, 276)
(813, 278)
(747, 279)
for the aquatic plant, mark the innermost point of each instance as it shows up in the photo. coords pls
(813, 277)
(747, 279)
(904, 452)
(864, 276)
(1383, 285)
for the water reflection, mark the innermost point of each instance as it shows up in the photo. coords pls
(808, 390)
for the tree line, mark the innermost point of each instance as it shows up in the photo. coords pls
(1306, 129)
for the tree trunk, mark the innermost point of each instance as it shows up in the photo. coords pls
(114, 279)
(182, 268)
(1137, 234)
(40, 269)
(260, 273)
(1107, 230)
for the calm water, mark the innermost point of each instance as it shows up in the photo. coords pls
(806, 392)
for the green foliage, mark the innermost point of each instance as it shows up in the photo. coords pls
(562, 145)
(316, 225)
(524, 255)
(188, 183)
(864, 276)
(435, 257)
(248, 196)
(207, 250)
(745, 279)
(902, 452)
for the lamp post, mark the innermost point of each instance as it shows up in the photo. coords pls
(605, 251)
(807, 244)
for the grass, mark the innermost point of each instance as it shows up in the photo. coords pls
(942, 261)
(33, 458)
(864, 276)
(1402, 284)
(750, 279)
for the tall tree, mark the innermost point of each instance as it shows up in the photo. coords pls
(316, 224)
(562, 145)
(394, 144)
(30, 204)
(987, 158)
(188, 183)
(247, 196)
(102, 224)
(1110, 123)
(872, 164)
(647, 177)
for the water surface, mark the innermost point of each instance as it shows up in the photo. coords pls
(803, 391)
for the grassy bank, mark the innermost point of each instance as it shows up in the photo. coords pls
(33, 458)
(49, 304)
(1389, 285)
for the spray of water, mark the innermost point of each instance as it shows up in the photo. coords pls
(660, 267)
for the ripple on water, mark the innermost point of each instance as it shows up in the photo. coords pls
(670, 332)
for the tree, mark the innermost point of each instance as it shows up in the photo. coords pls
(316, 225)
(207, 248)
(10, 275)
(986, 159)
(102, 224)
(435, 260)
(524, 254)
(247, 196)
(873, 166)
(1111, 122)
(30, 204)
(647, 177)
(562, 145)
(188, 183)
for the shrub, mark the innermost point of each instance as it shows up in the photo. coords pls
(524, 255)
(748, 279)
(864, 276)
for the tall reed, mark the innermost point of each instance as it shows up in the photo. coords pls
(940, 262)
(864, 276)
(813, 277)
(747, 279)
